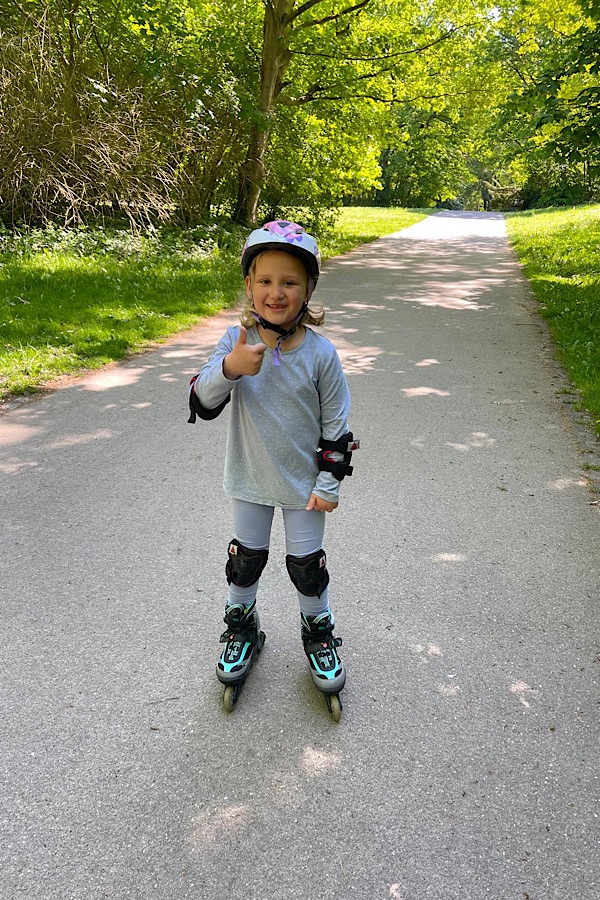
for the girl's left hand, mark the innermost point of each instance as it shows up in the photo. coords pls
(321, 505)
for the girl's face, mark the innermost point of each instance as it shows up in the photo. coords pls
(278, 287)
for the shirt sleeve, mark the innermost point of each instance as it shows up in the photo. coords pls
(334, 398)
(212, 387)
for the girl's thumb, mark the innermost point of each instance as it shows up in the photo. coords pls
(243, 337)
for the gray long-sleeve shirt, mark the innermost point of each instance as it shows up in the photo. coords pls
(277, 418)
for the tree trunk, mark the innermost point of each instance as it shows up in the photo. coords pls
(275, 59)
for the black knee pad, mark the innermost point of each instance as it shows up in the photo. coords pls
(244, 566)
(309, 573)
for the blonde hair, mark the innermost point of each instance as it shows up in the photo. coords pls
(314, 315)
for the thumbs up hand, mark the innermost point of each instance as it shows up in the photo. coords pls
(244, 359)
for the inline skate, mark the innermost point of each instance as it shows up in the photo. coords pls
(243, 641)
(326, 668)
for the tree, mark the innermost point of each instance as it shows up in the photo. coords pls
(324, 52)
(542, 112)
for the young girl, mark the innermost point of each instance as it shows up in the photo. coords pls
(288, 446)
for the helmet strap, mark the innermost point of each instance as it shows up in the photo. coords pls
(283, 334)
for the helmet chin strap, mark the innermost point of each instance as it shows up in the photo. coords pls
(283, 334)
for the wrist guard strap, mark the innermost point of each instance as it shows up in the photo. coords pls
(335, 456)
(197, 409)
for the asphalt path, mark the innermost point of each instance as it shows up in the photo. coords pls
(465, 566)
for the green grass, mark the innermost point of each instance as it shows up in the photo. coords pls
(76, 299)
(560, 251)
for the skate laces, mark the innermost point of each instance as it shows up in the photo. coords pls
(317, 634)
(237, 612)
(240, 622)
(321, 624)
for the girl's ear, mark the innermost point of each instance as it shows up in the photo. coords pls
(248, 283)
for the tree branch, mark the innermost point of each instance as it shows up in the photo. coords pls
(309, 98)
(438, 40)
(302, 9)
(332, 18)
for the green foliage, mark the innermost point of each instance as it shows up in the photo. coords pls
(117, 110)
(172, 110)
(559, 250)
(541, 112)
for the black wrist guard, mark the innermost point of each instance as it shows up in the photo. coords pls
(328, 450)
(197, 409)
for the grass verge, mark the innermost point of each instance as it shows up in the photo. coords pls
(76, 299)
(559, 249)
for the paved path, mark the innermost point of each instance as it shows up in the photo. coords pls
(466, 571)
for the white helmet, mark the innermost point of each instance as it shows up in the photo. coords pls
(286, 236)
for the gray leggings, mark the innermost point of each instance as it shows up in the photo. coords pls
(304, 530)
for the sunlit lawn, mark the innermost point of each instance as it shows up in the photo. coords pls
(73, 300)
(560, 251)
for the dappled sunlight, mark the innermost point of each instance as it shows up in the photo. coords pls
(316, 762)
(431, 653)
(562, 484)
(78, 440)
(288, 787)
(357, 360)
(523, 692)
(478, 440)
(339, 329)
(12, 433)
(15, 466)
(117, 377)
(430, 650)
(362, 306)
(37, 445)
(449, 558)
(179, 354)
(424, 363)
(424, 392)
(212, 830)
(448, 690)
(457, 303)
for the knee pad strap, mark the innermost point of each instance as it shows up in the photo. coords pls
(244, 566)
(309, 573)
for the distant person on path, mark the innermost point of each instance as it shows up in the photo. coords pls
(288, 446)
(487, 198)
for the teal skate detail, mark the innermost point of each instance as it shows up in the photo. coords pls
(327, 669)
(233, 658)
(243, 641)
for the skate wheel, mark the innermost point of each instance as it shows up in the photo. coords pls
(229, 698)
(335, 707)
